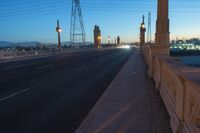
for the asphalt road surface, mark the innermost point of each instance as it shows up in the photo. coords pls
(54, 94)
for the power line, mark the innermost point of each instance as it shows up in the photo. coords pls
(36, 9)
(92, 6)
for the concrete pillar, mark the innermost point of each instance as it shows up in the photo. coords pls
(162, 23)
(142, 32)
(97, 37)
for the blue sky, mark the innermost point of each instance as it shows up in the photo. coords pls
(35, 20)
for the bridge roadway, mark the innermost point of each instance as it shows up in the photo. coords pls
(54, 94)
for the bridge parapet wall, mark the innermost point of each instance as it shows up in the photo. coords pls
(179, 86)
(20, 54)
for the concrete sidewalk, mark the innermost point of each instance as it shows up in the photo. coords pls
(129, 105)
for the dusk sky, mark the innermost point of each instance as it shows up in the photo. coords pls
(35, 20)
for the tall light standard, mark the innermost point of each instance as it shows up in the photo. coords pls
(99, 41)
(108, 41)
(58, 29)
(142, 32)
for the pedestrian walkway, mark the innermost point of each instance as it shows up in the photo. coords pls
(131, 104)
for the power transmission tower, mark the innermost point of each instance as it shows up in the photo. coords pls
(77, 31)
(149, 28)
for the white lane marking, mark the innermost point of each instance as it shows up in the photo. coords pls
(47, 66)
(79, 68)
(14, 94)
(16, 66)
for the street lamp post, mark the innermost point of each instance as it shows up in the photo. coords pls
(58, 29)
(142, 32)
(99, 41)
(108, 41)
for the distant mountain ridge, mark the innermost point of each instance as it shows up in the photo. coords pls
(4, 43)
(7, 44)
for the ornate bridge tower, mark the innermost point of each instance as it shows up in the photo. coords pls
(162, 24)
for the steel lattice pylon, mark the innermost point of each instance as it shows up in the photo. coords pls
(77, 31)
(149, 28)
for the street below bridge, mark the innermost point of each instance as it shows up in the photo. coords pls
(54, 94)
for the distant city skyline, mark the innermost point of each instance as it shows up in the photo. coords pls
(34, 20)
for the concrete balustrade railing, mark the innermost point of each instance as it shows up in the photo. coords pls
(179, 86)
(1, 54)
(19, 54)
(192, 104)
(33, 53)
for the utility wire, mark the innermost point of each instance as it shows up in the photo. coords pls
(119, 6)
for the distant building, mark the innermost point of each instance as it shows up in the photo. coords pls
(118, 40)
(97, 37)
